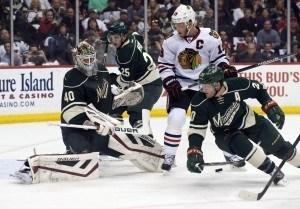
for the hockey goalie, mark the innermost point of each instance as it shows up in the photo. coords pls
(142, 150)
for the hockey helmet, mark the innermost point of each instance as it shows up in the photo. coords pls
(211, 74)
(118, 28)
(84, 56)
(183, 14)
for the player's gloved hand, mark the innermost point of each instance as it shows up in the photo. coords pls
(115, 90)
(274, 113)
(194, 160)
(172, 86)
(229, 70)
(101, 129)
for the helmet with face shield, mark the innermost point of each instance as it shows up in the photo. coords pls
(118, 28)
(84, 56)
(210, 75)
(183, 14)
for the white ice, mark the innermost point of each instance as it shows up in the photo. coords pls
(122, 186)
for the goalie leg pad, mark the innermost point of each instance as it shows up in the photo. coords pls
(141, 150)
(64, 167)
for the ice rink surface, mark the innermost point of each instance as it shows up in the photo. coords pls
(123, 186)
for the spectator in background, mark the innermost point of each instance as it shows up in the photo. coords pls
(70, 21)
(154, 31)
(224, 16)
(265, 16)
(35, 56)
(176, 3)
(227, 45)
(93, 14)
(154, 7)
(277, 12)
(245, 24)
(35, 13)
(268, 35)
(111, 13)
(132, 27)
(124, 16)
(249, 38)
(164, 22)
(256, 9)
(167, 4)
(249, 56)
(295, 33)
(48, 27)
(93, 25)
(239, 11)
(267, 52)
(58, 10)
(136, 11)
(18, 61)
(20, 46)
(155, 46)
(60, 45)
(209, 20)
(199, 8)
(45, 5)
(295, 49)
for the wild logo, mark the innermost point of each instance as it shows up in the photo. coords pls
(214, 34)
(189, 59)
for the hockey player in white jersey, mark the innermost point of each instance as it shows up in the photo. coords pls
(183, 56)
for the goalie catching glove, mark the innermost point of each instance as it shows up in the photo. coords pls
(194, 160)
(274, 113)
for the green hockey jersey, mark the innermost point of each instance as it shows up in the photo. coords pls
(225, 113)
(135, 64)
(80, 90)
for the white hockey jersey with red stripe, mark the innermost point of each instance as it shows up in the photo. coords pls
(206, 46)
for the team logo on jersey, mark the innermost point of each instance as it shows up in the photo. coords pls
(189, 59)
(102, 90)
(214, 34)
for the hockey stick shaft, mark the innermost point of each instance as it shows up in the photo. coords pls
(246, 195)
(221, 163)
(249, 67)
(116, 129)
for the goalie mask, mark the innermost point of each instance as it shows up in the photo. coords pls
(84, 57)
(183, 14)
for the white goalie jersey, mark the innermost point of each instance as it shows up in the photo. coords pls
(186, 58)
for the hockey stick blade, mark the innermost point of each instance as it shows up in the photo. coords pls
(246, 195)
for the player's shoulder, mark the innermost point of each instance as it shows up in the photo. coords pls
(237, 83)
(74, 78)
(210, 34)
(198, 99)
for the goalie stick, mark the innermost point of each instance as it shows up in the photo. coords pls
(116, 129)
(275, 59)
(251, 196)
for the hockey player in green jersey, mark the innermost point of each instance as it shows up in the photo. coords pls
(234, 124)
(135, 65)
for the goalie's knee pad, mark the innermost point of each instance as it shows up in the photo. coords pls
(63, 167)
(295, 158)
(176, 119)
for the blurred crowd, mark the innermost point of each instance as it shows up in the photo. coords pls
(45, 30)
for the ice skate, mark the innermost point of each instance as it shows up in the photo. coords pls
(238, 165)
(169, 162)
(23, 176)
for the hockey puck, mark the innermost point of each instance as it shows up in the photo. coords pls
(219, 170)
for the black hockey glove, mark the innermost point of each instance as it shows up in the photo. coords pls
(172, 86)
(274, 113)
(194, 160)
(229, 71)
